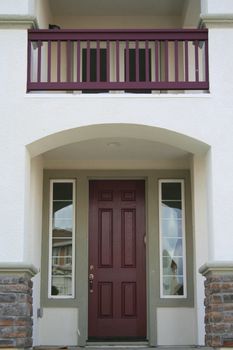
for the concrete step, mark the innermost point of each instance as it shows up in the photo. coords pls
(123, 347)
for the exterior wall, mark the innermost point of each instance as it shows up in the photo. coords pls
(13, 193)
(33, 223)
(202, 233)
(63, 330)
(14, 7)
(35, 12)
(221, 86)
(170, 331)
(216, 7)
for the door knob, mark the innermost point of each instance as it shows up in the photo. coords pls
(91, 281)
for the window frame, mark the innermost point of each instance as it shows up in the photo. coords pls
(49, 294)
(184, 256)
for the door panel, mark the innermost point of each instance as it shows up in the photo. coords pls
(117, 264)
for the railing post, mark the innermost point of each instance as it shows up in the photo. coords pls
(29, 65)
(186, 61)
(78, 61)
(49, 62)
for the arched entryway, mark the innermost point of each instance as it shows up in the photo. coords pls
(162, 160)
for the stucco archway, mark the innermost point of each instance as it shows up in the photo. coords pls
(132, 131)
(95, 134)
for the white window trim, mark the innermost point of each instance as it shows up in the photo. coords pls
(161, 181)
(50, 296)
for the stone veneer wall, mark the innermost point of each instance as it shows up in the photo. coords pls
(218, 304)
(16, 307)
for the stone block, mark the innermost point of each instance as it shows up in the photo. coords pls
(15, 332)
(20, 309)
(227, 298)
(23, 342)
(14, 288)
(7, 343)
(215, 341)
(7, 297)
(215, 317)
(218, 305)
(228, 317)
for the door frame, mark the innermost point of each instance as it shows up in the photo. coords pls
(132, 175)
(80, 301)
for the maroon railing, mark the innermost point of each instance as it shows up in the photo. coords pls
(129, 60)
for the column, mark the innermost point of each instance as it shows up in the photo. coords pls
(16, 305)
(218, 303)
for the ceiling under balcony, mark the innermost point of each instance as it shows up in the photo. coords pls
(117, 7)
(117, 152)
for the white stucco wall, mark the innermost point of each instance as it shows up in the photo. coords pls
(39, 9)
(34, 219)
(202, 234)
(176, 326)
(63, 330)
(216, 6)
(12, 212)
(16, 7)
(33, 231)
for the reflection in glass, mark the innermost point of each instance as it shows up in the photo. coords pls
(172, 266)
(173, 285)
(171, 191)
(61, 266)
(62, 256)
(172, 246)
(62, 215)
(62, 209)
(62, 222)
(171, 226)
(61, 285)
(61, 233)
(62, 191)
(171, 210)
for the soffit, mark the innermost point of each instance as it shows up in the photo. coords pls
(116, 149)
(117, 7)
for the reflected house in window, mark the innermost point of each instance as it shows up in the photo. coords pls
(172, 239)
(61, 239)
(173, 285)
(62, 263)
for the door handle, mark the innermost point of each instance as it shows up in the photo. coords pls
(91, 282)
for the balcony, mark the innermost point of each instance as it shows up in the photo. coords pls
(117, 60)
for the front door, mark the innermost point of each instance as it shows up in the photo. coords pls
(117, 260)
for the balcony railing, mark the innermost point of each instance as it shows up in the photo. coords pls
(128, 60)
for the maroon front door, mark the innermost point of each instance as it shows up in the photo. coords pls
(117, 260)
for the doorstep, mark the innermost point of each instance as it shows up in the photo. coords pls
(117, 346)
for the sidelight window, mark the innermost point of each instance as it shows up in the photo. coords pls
(61, 239)
(172, 239)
